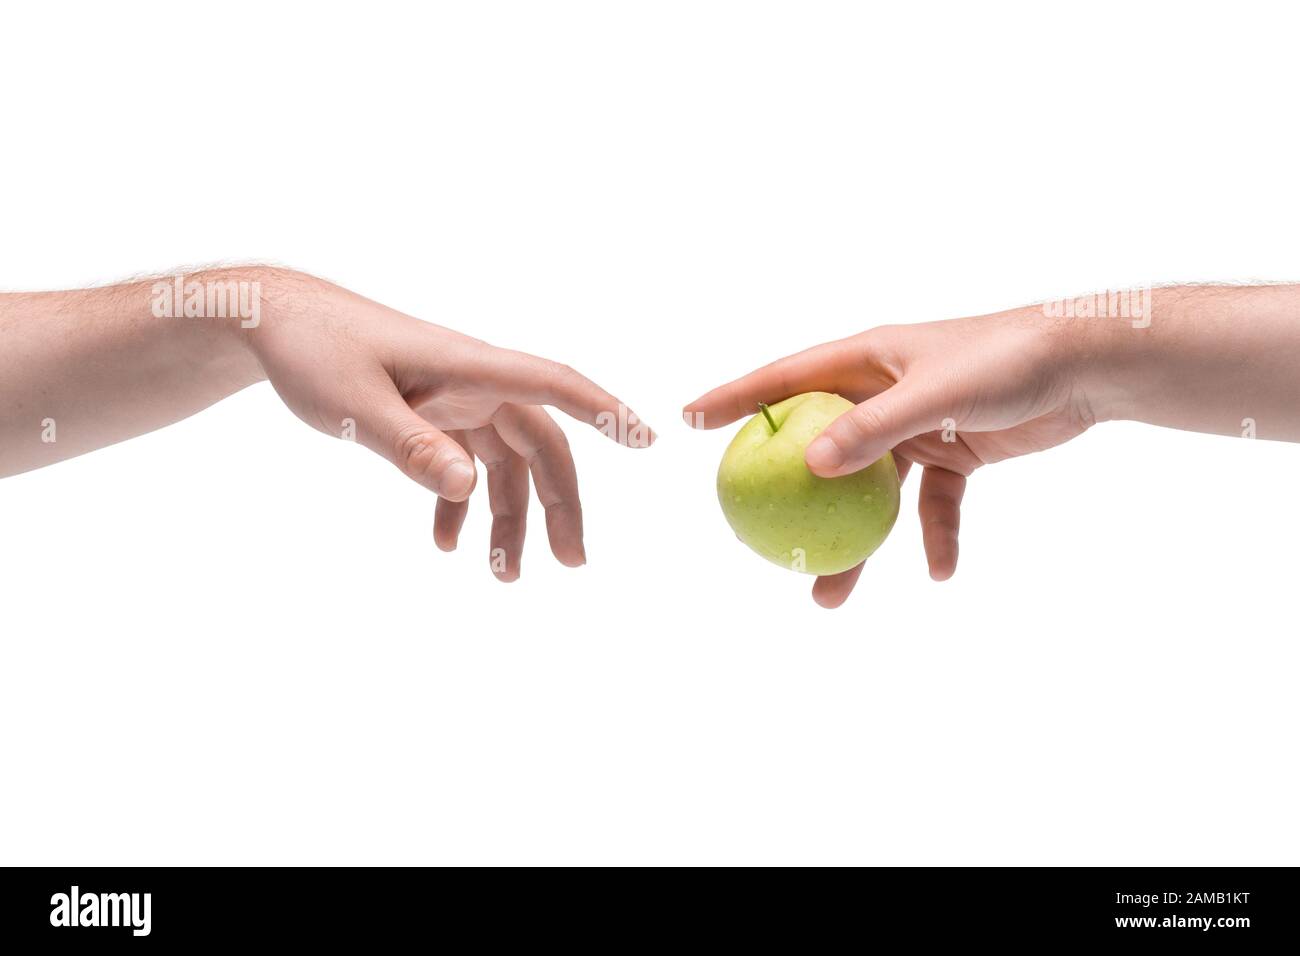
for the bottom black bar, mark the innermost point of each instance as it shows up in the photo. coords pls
(114, 908)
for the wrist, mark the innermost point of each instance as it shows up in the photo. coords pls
(206, 317)
(273, 304)
(1100, 342)
(286, 300)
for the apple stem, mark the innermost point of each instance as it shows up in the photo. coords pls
(768, 415)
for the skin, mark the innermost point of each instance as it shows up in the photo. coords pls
(104, 368)
(948, 396)
(955, 395)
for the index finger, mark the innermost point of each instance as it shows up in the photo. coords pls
(524, 379)
(825, 367)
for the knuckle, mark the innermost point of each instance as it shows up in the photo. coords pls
(503, 515)
(494, 459)
(868, 419)
(413, 450)
(883, 347)
(947, 524)
(418, 454)
(563, 509)
(552, 447)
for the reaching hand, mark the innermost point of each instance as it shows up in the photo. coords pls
(430, 400)
(949, 396)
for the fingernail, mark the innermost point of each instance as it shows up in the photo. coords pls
(823, 454)
(458, 478)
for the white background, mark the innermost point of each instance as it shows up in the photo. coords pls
(232, 641)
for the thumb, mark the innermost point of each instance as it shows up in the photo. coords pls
(863, 434)
(423, 453)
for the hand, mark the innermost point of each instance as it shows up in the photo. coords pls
(949, 396)
(430, 400)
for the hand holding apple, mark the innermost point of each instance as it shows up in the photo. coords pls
(950, 396)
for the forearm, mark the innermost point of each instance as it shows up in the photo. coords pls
(83, 369)
(1221, 359)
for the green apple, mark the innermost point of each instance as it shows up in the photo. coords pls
(791, 516)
